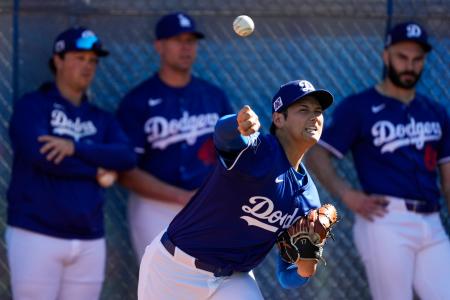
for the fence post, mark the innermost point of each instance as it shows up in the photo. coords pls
(16, 50)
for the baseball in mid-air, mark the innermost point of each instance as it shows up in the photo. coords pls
(243, 25)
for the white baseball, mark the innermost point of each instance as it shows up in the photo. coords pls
(243, 25)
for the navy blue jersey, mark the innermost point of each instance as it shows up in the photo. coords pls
(395, 147)
(171, 128)
(234, 219)
(62, 200)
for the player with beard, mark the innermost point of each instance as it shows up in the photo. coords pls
(399, 140)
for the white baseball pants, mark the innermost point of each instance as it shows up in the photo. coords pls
(404, 250)
(147, 218)
(163, 276)
(48, 268)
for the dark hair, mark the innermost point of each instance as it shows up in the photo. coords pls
(51, 63)
(273, 128)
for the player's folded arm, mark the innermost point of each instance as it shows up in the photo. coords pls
(114, 153)
(70, 167)
(119, 157)
(25, 142)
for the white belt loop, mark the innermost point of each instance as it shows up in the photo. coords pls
(396, 203)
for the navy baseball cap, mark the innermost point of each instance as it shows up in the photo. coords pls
(174, 24)
(296, 90)
(78, 39)
(408, 31)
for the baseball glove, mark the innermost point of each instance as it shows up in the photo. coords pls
(306, 237)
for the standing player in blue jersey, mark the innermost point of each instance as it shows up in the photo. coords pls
(62, 145)
(170, 118)
(399, 140)
(258, 189)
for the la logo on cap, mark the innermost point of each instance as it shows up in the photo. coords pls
(413, 30)
(60, 46)
(184, 22)
(306, 86)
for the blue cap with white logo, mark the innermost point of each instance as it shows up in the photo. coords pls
(174, 24)
(78, 39)
(296, 90)
(408, 31)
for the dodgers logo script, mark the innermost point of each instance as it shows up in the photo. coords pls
(391, 137)
(262, 215)
(63, 125)
(162, 132)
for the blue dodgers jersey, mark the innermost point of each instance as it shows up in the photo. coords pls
(62, 200)
(172, 128)
(395, 147)
(234, 219)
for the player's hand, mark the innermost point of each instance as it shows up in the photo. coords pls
(367, 206)
(56, 148)
(106, 178)
(306, 268)
(248, 121)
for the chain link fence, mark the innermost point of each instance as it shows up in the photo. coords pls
(335, 44)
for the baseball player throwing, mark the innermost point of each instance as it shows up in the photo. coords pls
(259, 189)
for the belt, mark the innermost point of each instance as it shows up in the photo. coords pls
(421, 207)
(418, 206)
(218, 272)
